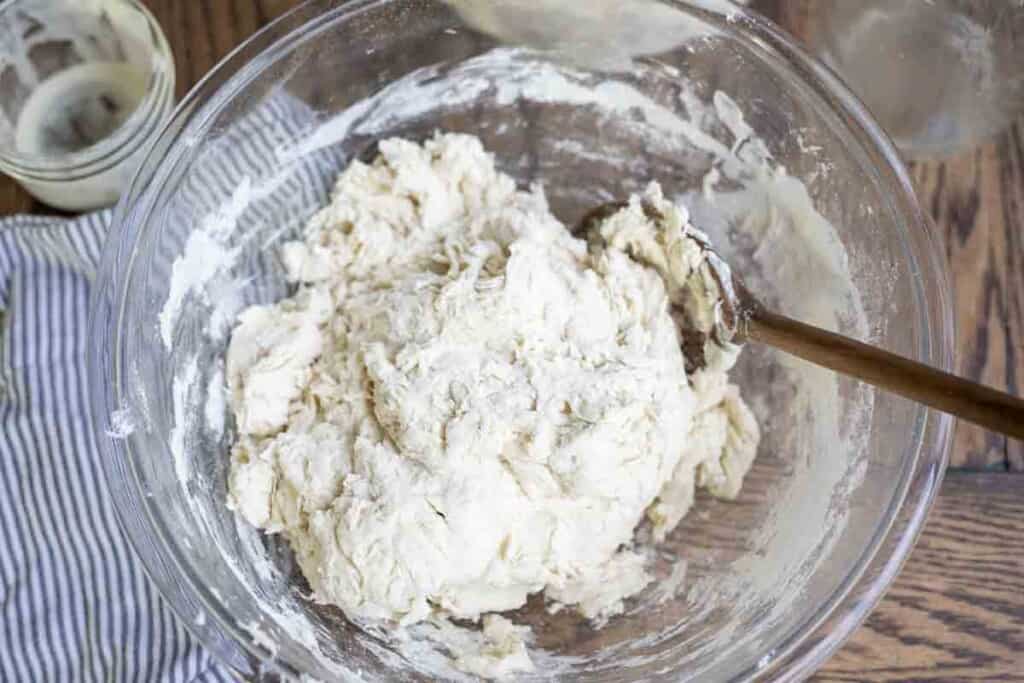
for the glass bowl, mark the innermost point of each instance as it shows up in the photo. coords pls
(803, 193)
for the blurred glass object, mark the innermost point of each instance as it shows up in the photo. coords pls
(939, 75)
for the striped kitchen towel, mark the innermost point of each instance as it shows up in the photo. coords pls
(76, 605)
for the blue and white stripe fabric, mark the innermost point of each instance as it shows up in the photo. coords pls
(75, 604)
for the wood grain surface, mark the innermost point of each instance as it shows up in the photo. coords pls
(976, 202)
(957, 610)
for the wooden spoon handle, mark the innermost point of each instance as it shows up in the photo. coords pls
(951, 394)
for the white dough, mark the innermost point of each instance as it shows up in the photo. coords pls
(462, 406)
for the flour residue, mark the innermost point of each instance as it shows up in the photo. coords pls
(122, 423)
(206, 254)
(183, 392)
(216, 403)
(209, 253)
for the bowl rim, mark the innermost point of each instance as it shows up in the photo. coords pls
(811, 643)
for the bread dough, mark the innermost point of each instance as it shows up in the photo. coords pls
(462, 406)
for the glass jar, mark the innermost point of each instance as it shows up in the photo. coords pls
(84, 86)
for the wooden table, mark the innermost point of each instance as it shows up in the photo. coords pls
(957, 610)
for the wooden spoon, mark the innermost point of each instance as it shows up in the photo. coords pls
(744, 318)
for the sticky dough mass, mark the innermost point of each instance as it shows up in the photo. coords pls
(462, 406)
